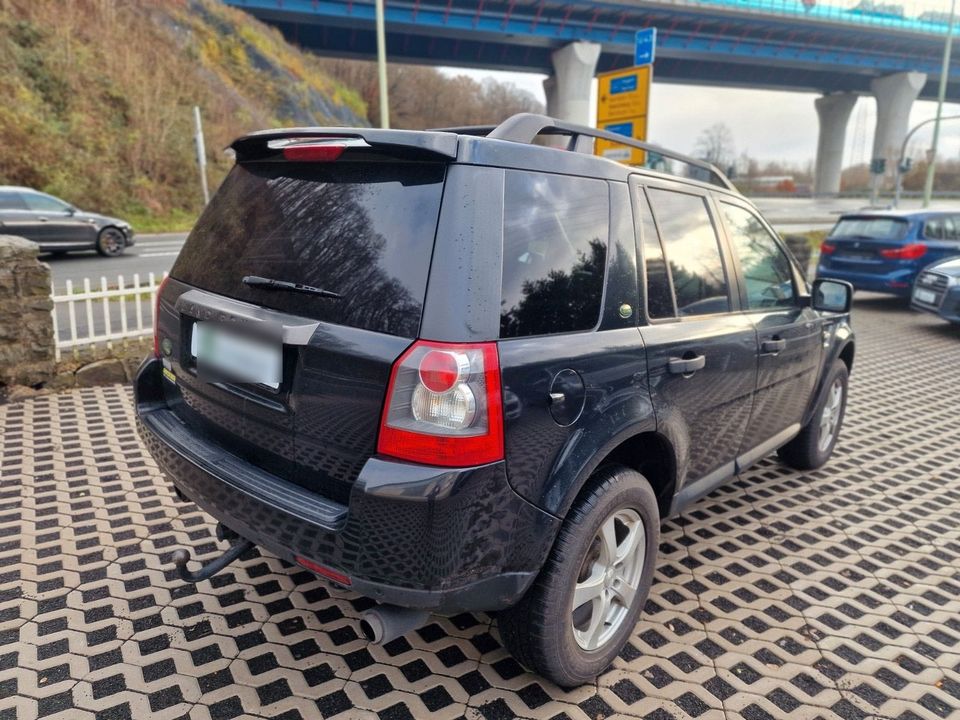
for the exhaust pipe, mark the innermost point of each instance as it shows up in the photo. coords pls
(384, 623)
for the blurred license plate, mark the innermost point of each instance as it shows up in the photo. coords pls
(857, 257)
(924, 296)
(236, 357)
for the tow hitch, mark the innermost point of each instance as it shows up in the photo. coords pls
(181, 557)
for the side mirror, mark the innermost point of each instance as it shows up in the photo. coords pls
(71, 210)
(832, 295)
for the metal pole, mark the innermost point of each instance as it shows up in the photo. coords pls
(382, 66)
(201, 153)
(944, 75)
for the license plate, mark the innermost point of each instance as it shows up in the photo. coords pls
(236, 357)
(924, 296)
(857, 257)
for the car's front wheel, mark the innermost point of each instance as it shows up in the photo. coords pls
(111, 242)
(583, 606)
(815, 443)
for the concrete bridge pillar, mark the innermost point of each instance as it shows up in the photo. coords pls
(894, 95)
(834, 114)
(568, 90)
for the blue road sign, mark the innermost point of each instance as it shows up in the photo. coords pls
(645, 46)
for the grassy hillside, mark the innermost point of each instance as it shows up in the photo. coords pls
(98, 98)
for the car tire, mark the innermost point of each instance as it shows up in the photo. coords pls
(111, 242)
(811, 449)
(569, 645)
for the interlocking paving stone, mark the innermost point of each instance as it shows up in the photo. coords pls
(828, 594)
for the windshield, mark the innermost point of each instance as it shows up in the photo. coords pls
(362, 230)
(879, 228)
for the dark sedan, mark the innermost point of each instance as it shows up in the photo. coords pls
(57, 226)
(937, 290)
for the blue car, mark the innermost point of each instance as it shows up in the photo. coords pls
(884, 251)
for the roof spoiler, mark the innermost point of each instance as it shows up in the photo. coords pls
(406, 143)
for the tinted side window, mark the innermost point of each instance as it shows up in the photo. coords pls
(693, 252)
(765, 267)
(10, 200)
(555, 231)
(659, 295)
(44, 203)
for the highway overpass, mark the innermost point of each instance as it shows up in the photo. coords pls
(839, 50)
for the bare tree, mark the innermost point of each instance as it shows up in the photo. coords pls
(715, 145)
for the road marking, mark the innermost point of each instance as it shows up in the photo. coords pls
(161, 254)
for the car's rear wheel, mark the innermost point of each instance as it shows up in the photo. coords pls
(815, 443)
(111, 242)
(583, 606)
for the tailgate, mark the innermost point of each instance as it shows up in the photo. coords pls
(362, 230)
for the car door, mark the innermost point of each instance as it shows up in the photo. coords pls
(701, 351)
(788, 330)
(15, 217)
(58, 224)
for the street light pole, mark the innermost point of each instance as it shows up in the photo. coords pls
(382, 66)
(944, 74)
(901, 161)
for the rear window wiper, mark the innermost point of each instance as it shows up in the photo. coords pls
(273, 284)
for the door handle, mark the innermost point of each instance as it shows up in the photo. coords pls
(557, 398)
(42, 218)
(686, 366)
(772, 347)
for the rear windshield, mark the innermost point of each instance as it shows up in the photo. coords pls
(363, 230)
(867, 227)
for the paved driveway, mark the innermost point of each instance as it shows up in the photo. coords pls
(783, 595)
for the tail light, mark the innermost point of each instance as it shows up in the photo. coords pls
(827, 248)
(156, 317)
(444, 406)
(913, 251)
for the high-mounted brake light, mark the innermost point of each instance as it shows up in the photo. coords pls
(827, 248)
(315, 152)
(913, 251)
(444, 405)
(156, 317)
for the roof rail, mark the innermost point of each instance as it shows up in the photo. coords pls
(525, 127)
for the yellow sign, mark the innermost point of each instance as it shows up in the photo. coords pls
(623, 94)
(636, 129)
(623, 99)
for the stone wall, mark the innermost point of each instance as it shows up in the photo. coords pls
(26, 328)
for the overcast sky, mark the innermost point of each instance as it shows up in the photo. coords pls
(767, 125)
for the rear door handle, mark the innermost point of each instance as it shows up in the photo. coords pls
(42, 219)
(686, 366)
(772, 347)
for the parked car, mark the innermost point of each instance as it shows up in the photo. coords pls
(57, 226)
(459, 372)
(884, 251)
(937, 290)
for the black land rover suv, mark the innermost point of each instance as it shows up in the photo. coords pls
(459, 371)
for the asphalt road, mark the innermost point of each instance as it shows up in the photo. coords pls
(152, 253)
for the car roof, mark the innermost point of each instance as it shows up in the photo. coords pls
(898, 214)
(18, 188)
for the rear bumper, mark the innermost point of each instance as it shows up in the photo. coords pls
(412, 535)
(895, 282)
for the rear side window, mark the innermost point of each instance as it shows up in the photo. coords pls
(692, 251)
(871, 228)
(659, 295)
(11, 201)
(942, 228)
(555, 231)
(364, 230)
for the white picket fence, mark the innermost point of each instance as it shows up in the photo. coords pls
(85, 315)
